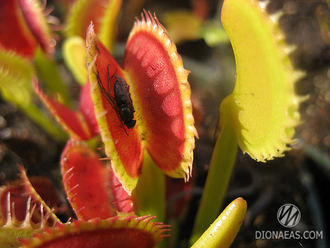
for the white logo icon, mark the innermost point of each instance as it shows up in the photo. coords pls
(288, 215)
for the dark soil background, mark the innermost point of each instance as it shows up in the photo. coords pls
(302, 177)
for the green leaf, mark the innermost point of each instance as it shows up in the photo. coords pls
(16, 87)
(263, 106)
(74, 54)
(15, 78)
(9, 235)
(261, 113)
(49, 71)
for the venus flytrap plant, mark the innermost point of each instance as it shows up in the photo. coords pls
(143, 71)
(23, 212)
(163, 114)
(103, 208)
(90, 185)
(160, 140)
(262, 111)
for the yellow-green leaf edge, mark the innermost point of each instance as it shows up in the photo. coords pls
(74, 54)
(106, 19)
(263, 105)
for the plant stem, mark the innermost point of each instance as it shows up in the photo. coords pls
(222, 163)
(50, 73)
(43, 121)
(149, 194)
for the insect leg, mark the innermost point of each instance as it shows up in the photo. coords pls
(109, 78)
(105, 93)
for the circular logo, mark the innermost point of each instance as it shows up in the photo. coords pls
(288, 215)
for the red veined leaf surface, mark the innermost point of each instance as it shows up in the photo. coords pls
(79, 124)
(86, 182)
(115, 232)
(122, 144)
(162, 93)
(14, 32)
